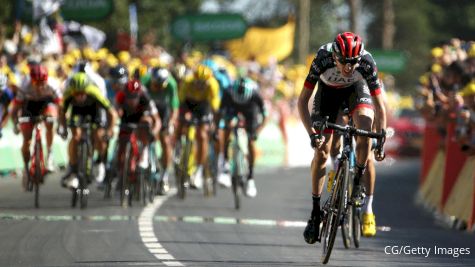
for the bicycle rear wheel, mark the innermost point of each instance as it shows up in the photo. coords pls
(333, 216)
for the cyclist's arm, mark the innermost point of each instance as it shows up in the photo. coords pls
(319, 64)
(304, 112)
(370, 73)
(17, 104)
(380, 116)
(260, 103)
(226, 102)
(173, 96)
(64, 107)
(112, 118)
(213, 96)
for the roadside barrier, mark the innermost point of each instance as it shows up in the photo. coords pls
(447, 182)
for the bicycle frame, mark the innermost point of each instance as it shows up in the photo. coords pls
(185, 166)
(132, 157)
(336, 206)
(36, 169)
(85, 165)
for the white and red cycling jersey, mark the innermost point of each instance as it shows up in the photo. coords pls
(48, 92)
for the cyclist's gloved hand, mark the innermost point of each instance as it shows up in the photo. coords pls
(316, 141)
(379, 153)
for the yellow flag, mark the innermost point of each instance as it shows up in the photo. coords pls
(264, 43)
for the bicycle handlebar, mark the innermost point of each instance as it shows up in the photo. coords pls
(322, 125)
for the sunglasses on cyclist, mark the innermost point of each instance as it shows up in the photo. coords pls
(351, 61)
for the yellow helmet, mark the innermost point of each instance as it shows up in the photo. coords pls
(124, 57)
(203, 73)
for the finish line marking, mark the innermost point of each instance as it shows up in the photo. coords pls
(146, 225)
(147, 234)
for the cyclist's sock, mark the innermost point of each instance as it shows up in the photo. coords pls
(102, 158)
(369, 204)
(316, 206)
(251, 173)
(359, 173)
(221, 160)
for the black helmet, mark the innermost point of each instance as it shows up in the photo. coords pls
(160, 75)
(119, 74)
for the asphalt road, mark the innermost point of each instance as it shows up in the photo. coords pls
(200, 231)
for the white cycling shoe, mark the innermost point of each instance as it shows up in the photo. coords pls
(251, 190)
(197, 179)
(101, 173)
(224, 179)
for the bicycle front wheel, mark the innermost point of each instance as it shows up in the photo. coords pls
(333, 215)
(356, 225)
(38, 174)
(125, 191)
(347, 216)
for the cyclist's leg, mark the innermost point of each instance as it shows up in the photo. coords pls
(362, 111)
(100, 144)
(101, 147)
(26, 131)
(50, 110)
(202, 144)
(329, 107)
(164, 137)
(369, 219)
(74, 119)
(73, 158)
(251, 129)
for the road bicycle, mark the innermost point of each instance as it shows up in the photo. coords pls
(85, 155)
(339, 208)
(238, 163)
(36, 169)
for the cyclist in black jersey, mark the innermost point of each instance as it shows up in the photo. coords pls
(346, 73)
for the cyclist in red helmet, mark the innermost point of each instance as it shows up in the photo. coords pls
(347, 78)
(36, 96)
(134, 105)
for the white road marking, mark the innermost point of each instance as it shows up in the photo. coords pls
(147, 234)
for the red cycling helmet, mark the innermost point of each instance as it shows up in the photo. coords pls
(133, 88)
(348, 47)
(38, 73)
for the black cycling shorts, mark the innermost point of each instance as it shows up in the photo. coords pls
(98, 116)
(251, 119)
(200, 110)
(164, 112)
(329, 101)
(37, 108)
